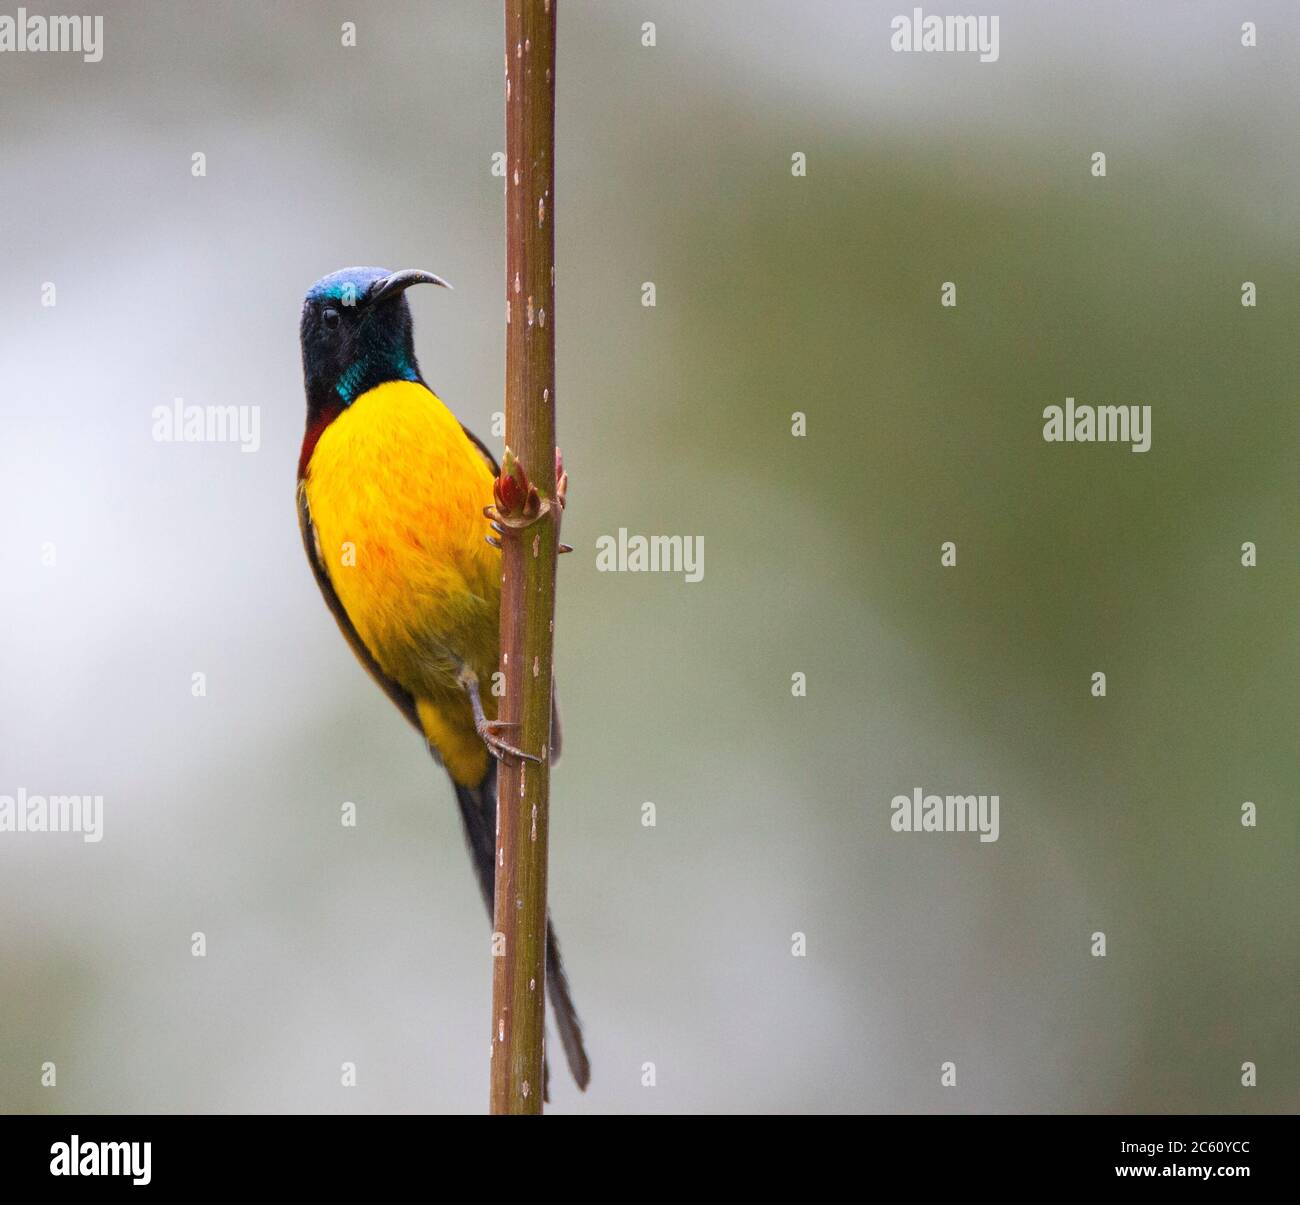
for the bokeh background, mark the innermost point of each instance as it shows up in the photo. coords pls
(774, 294)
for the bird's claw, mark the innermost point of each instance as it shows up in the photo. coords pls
(501, 749)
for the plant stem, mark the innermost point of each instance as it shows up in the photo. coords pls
(528, 561)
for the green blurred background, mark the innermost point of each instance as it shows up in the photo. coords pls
(775, 294)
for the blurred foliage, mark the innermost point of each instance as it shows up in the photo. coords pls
(774, 294)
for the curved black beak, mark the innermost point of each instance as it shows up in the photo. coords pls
(397, 282)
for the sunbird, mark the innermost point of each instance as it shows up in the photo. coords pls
(391, 497)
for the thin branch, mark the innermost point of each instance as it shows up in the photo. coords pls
(528, 512)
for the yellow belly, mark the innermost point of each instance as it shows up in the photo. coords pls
(396, 491)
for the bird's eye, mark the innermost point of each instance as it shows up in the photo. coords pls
(330, 317)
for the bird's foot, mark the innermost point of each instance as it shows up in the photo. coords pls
(488, 732)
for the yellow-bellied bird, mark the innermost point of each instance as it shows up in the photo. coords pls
(391, 492)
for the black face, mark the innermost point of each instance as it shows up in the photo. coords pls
(356, 334)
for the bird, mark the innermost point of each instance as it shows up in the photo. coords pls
(391, 496)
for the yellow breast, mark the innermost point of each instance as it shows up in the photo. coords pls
(396, 491)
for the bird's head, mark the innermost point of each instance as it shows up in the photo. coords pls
(356, 334)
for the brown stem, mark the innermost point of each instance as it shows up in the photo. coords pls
(528, 560)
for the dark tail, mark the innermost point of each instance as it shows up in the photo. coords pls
(478, 809)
